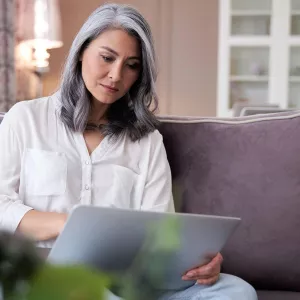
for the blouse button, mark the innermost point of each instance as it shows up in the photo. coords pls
(87, 187)
(87, 162)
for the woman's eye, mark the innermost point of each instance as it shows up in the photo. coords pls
(135, 66)
(107, 58)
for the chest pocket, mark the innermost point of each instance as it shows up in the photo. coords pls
(114, 186)
(45, 172)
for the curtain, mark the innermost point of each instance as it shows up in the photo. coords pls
(7, 66)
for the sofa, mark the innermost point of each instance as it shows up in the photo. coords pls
(246, 167)
(250, 168)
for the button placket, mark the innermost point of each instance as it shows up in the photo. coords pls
(87, 181)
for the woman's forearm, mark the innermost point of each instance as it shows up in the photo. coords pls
(42, 226)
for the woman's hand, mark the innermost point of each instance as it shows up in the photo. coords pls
(42, 226)
(207, 274)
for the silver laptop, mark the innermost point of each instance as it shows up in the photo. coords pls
(119, 241)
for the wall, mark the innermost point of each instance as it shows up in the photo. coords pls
(186, 36)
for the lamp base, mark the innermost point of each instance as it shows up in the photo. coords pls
(39, 72)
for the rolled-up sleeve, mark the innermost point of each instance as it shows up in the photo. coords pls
(157, 194)
(12, 209)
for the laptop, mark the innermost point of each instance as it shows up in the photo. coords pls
(151, 245)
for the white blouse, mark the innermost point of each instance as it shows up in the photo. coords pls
(47, 167)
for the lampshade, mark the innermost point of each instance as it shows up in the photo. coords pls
(40, 29)
(40, 24)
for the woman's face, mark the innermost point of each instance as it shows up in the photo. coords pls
(110, 65)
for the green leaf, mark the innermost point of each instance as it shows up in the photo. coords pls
(68, 283)
(147, 272)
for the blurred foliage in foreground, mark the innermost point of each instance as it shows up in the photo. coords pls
(25, 276)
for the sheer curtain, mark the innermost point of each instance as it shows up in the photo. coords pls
(7, 65)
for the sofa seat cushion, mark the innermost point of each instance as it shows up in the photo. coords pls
(277, 295)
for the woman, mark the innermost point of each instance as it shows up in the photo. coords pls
(95, 142)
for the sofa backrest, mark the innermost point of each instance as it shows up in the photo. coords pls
(250, 168)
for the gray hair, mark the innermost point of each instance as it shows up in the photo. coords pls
(130, 113)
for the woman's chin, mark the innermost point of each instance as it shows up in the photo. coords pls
(104, 100)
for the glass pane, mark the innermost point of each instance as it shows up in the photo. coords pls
(250, 25)
(251, 5)
(249, 61)
(295, 17)
(295, 25)
(248, 93)
(249, 69)
(295, 5)
(294, 95)
(294, 69)
(294, 79)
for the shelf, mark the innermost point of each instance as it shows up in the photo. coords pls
(250, 13)
(249, 78)
(294, 41)
(294, 79)
(252, 41)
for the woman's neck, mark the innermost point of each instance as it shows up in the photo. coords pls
(98, 112)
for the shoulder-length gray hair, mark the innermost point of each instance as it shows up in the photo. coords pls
(132, 112)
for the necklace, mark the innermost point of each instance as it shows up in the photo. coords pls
(93, 126)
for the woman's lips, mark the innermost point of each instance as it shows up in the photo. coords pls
(110, 88)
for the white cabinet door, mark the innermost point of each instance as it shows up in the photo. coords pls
(245, 46)
(294, 55)
(259, 53)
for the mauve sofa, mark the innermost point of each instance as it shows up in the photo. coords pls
(246, 167)
(250, 168)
